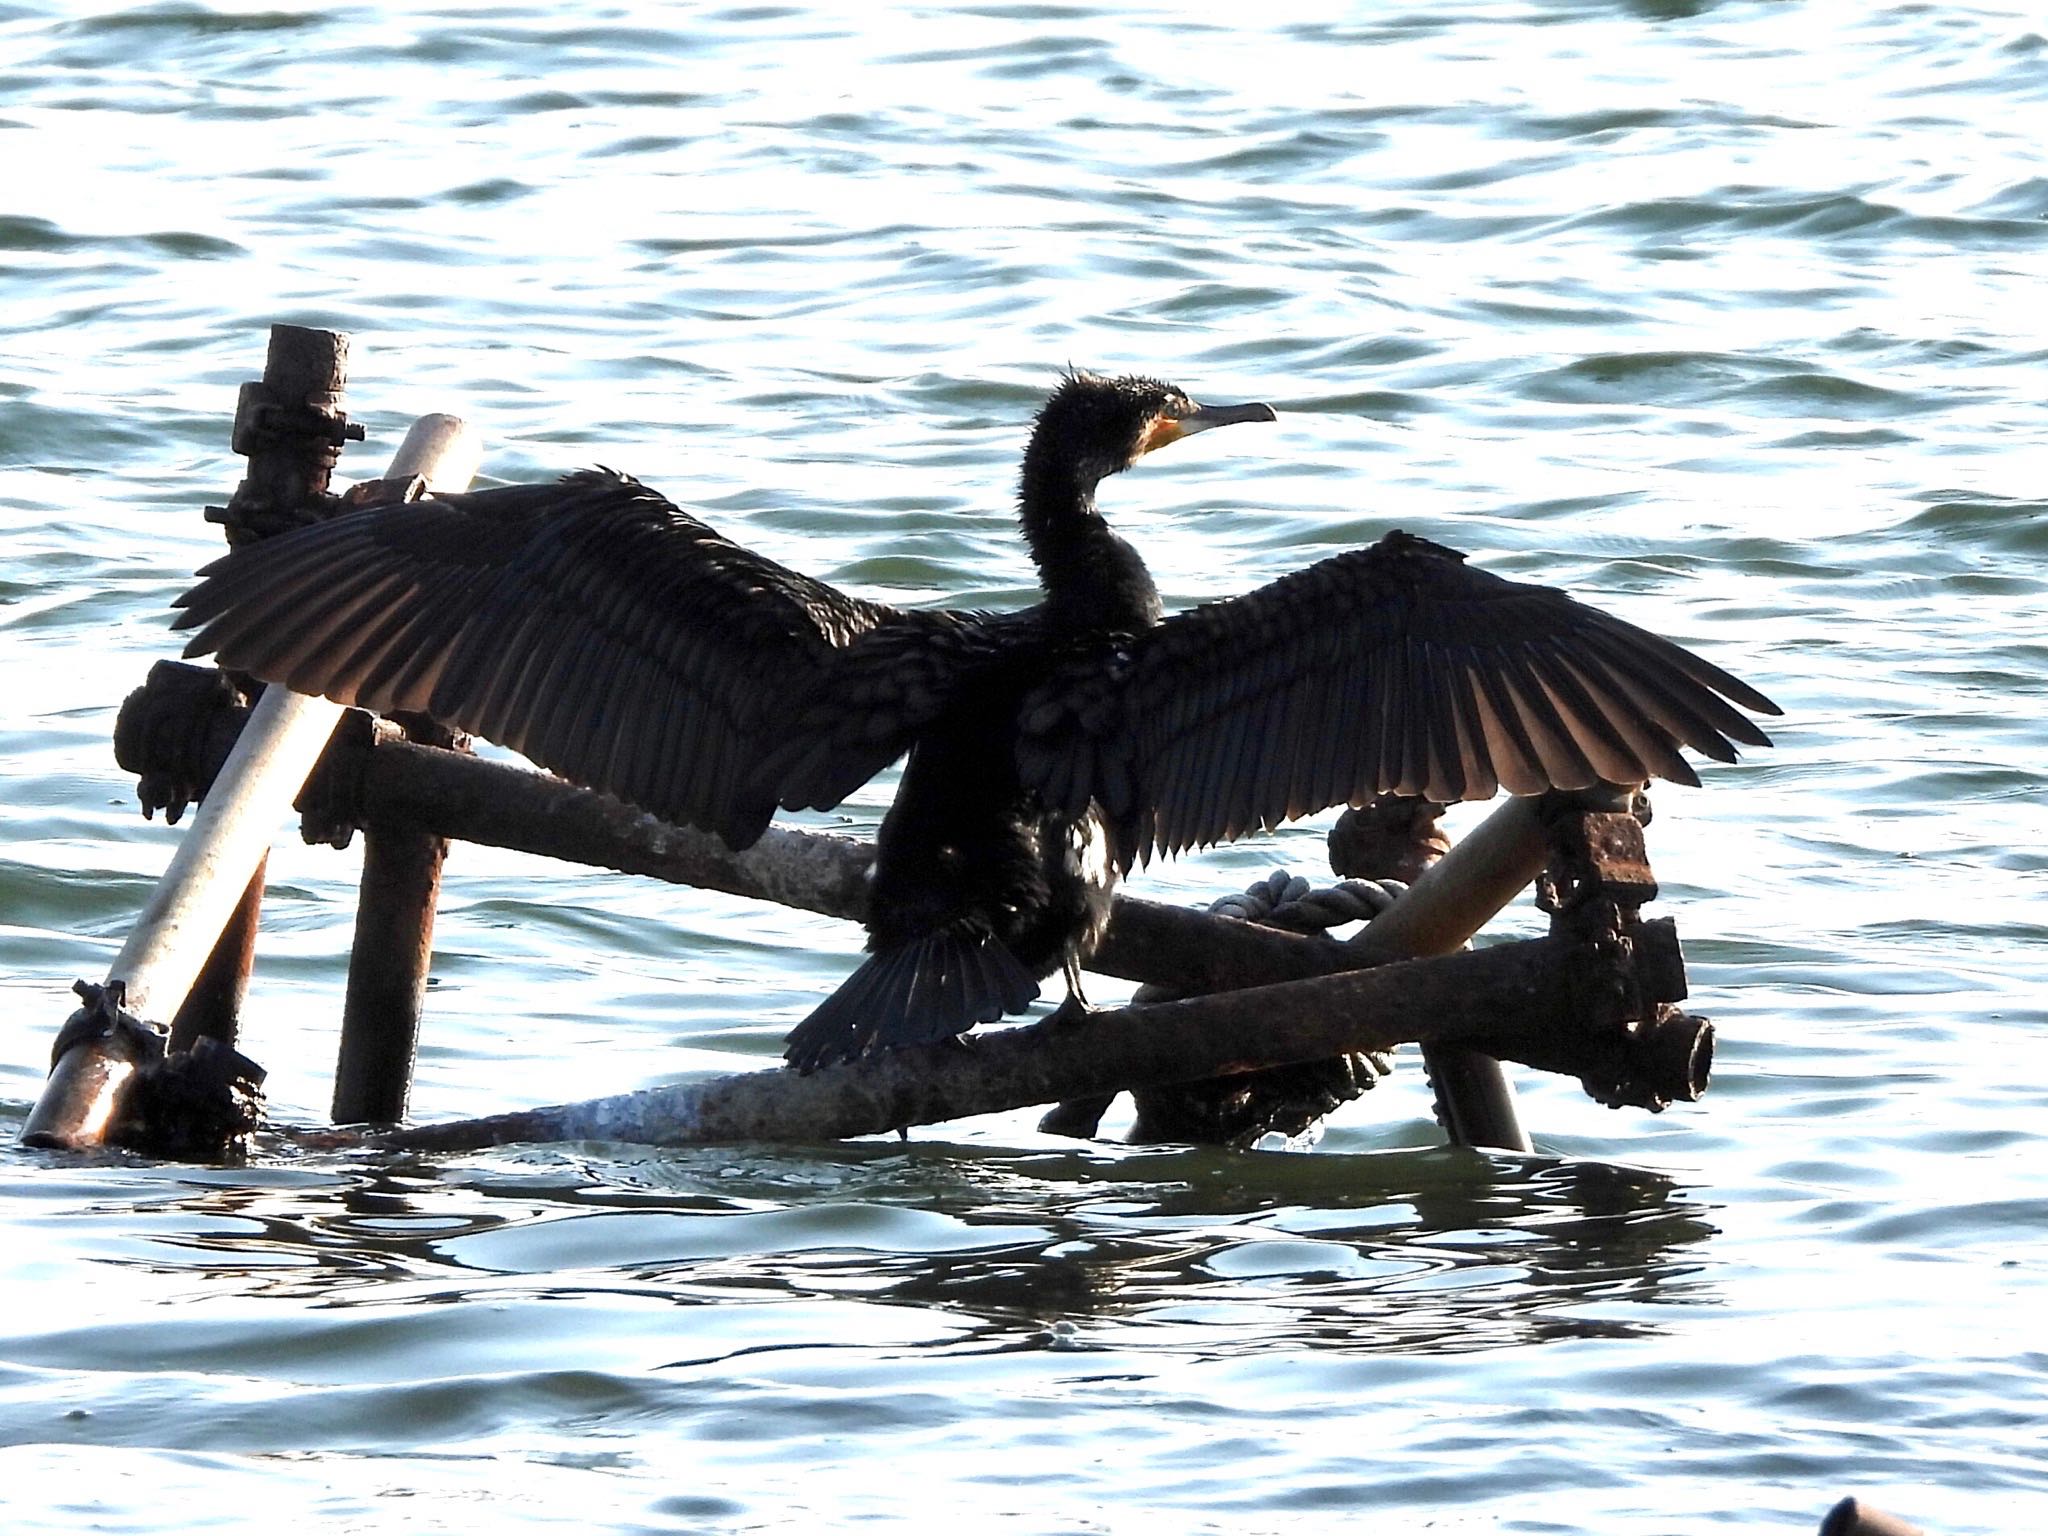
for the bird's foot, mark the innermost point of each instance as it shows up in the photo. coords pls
(1074, 1010)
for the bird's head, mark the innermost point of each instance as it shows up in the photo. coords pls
(1100, 426)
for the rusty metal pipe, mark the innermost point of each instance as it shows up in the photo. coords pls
(1522, 1000)
(400, 887)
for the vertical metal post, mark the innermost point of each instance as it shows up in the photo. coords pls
(1396, 837)
(213, 1008)
(1475, 1102)
(387, 975)
(387, 965)
(394, 938)
(290, 426)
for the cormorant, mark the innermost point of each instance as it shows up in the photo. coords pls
(611, 637)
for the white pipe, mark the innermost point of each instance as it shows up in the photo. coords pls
(1483, 871)
(252, 796)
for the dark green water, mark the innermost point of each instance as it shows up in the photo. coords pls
(1725, 316)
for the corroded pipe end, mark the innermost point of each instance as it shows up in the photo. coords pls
(1663, 1060)
(78, 1098)
(1675, 1054)
(305, 365)
(97, 1054)
(1395, 837)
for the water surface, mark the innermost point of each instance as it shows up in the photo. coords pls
(1723, 315)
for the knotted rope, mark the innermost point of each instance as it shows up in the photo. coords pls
(1287, 901)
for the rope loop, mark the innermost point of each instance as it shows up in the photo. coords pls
(1287, 901)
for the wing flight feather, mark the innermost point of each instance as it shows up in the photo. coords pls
(603, 632)
(1396, 667)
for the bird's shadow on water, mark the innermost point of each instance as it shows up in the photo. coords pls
(1189, 1251)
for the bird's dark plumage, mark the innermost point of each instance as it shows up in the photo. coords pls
(611, 637)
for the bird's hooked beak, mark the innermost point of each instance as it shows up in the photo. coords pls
(1167, 427)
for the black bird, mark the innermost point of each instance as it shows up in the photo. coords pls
(617, 640)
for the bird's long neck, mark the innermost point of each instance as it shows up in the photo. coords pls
(1092, 579)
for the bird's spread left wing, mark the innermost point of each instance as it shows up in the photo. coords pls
(1393, 668)
(602, 631)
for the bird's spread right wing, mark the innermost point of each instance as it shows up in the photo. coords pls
(1396, 667)
(602, 632)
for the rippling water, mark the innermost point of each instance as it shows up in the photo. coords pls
(1726, 315)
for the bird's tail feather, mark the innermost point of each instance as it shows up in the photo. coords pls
(941, 984)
